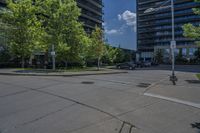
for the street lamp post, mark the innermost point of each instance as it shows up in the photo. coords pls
(53, 54)
(173, 77)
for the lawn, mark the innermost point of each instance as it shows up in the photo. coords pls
(74, 69)
(79, 69)
(198, 75)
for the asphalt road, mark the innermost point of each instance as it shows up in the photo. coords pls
(100, 104)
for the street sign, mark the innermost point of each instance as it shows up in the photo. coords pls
(173, 44)
(53, 53)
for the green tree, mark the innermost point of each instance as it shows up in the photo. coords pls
(192, 31)
(4, 54)
(128, 56)
(64, 31)
(197, 54)
(97, 48)
(159, 56)
(110, 54)
(78, 46)
(120, 55)
(86, 53)
(179, 57)
(24, 32)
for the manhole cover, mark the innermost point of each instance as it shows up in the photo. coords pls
(87, 82)
(193, 81)
(144, 85)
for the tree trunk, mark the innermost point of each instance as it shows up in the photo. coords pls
(66, 64)
(99, 63)
(30, 60)
(86, 64)
(23, 62)
(46, 60)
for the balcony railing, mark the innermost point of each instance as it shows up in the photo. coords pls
(179, 6)
(91, 3)
(182, 20)
(166, 15)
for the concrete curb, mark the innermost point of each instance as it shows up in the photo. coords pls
(62, 75)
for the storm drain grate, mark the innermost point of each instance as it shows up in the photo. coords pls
(144, 85)
(87, 82)
(193, 81)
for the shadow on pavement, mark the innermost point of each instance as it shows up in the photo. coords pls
(193, 81)
(196, 125)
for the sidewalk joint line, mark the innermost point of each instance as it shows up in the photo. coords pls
(175, 100)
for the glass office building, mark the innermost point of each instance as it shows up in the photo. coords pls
(91, 13)
(91, 16)
(154, 30)
(2, 3)
(2, 32)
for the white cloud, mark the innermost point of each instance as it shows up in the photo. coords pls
(130, 20)
(129, 17)
(104, 24)
(118, 31)
(111, 32)
(119, 17)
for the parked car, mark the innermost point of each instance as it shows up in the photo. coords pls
(139, 64)
(154, 63)
(147, 64)
(126, 65)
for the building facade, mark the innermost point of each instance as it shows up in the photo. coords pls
(91, 13)
(2, 3)
(2, 32)
(154, 29)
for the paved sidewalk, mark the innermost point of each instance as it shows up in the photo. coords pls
(17, 72)
(185, 92)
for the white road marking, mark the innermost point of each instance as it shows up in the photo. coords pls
(196, 105)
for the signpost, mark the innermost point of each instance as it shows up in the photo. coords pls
(173, 45)
(173, 78)
(53, 54)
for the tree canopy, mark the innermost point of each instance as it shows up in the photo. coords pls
(25, 31)
(34, 26)
(60, 18)
(193, 31)
(97, 48)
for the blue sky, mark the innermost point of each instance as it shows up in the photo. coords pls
(120, 23)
